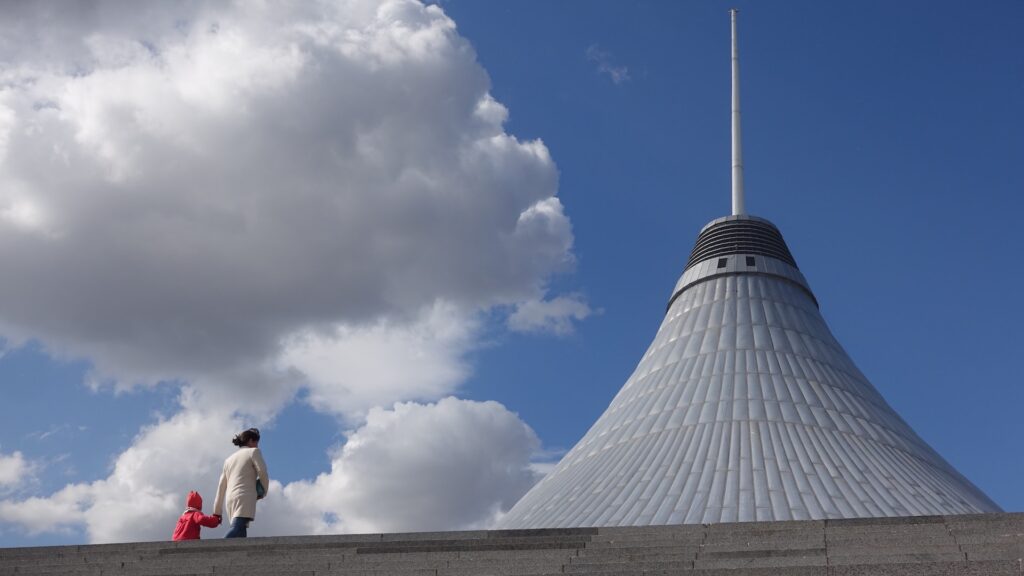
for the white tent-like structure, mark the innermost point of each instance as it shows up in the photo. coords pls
(745, 408)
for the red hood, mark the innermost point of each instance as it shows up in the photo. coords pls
(194, 500)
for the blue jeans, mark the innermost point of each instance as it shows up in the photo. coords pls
(239, 526)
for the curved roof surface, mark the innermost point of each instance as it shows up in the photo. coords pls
(745, 408)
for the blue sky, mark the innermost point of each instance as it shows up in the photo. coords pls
(884, 140)
(881, 138)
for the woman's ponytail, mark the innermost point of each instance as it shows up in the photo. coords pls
(243, 438)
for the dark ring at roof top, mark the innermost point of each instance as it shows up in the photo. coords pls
(740, 235)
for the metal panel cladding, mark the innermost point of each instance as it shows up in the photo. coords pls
(745, 408)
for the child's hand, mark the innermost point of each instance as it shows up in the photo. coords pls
(217, 516)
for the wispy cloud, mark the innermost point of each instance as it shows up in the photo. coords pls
(605, 64)
(41, 435)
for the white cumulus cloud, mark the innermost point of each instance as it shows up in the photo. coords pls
(556, 315)
(14, 469)
(145, 492)
(350, 369)
(254, 199)
(454, 464)
(183, 197)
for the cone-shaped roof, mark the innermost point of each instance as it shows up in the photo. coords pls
(744, 408)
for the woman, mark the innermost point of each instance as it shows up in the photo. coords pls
(242, 483)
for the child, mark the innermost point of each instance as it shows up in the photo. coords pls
(193, 518)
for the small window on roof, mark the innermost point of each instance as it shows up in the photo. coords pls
(722, 262)
(750, 261)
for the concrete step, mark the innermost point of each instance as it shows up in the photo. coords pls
(990, 545)
(892, 555)
(928, 569)
(382, 572)
(628, 555)
(640, 544)
(743, 562)
(758, 546)
(1007, 551)
(619, 567)
(763, 571)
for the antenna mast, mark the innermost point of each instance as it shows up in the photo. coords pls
(737, 153)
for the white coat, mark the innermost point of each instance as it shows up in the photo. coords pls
(237, 488)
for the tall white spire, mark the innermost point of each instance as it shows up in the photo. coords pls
(737, 152)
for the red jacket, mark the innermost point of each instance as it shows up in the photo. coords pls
(189, 524)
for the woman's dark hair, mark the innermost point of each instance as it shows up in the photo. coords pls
(243, 438)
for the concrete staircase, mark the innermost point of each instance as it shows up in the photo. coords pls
(978, 545)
